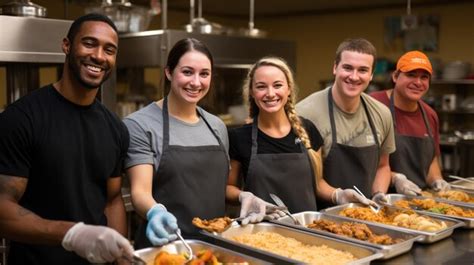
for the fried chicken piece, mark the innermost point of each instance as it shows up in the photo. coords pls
(165, 258)
(354, 230)
(214, 225)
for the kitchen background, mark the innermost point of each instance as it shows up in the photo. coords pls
(308, 33)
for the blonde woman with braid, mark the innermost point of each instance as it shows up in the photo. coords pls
(276, 153)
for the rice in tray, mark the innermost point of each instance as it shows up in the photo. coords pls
(291, 248)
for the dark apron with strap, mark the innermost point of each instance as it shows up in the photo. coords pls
(414, 154)
(190, 181)
(346, 166)
(288, 175)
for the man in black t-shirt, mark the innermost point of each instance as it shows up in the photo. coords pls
(61, 154)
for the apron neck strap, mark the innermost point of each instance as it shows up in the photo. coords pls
(423, 113)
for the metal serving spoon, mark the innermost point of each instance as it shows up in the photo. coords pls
(280, 203)
(376, 208)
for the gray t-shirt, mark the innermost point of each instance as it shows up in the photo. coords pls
(353, 129)
(146, 134)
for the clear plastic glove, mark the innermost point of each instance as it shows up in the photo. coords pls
(98, 244)
(273, 212)
(253, 209)
(404, 185)
(162, 225)
(440, 185)
(340, 196)
(380, 197)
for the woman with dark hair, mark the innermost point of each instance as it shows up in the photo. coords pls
(177, 161)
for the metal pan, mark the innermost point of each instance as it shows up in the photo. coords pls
(464, 185)
(225, 256)
(468, 204)
(468, 222)
(426, 237)
(364, 254)
(389, 251)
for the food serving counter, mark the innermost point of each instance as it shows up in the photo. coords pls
(456, 249)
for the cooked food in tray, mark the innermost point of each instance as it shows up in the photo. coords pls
(407, 219)
(435, 207)
(203, 257)
(452, 195)
(354, 230)
(291, 248)
(214, 225)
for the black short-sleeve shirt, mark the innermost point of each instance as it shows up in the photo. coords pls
(240, 143)
(67, 152)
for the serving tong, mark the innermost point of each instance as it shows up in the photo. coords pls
(461, 178)
(190, 254)
(375, 207)
(283, 208)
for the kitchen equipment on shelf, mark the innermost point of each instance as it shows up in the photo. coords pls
(251, 31)
(456, 70)
(22, 8)
(126, 16)
(200, 24)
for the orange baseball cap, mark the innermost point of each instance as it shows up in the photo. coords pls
(414, 60)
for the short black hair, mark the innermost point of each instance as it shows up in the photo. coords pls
(76, 25)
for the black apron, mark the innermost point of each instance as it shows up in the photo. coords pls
(288, 175)
(414, 154)
(190, 181)
(346, 166)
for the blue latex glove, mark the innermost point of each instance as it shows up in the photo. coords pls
(162, 225)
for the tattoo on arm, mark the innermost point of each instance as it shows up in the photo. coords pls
(12, 187)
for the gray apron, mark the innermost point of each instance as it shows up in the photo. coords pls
(346, 166)
(190, 181)
(288, 175)
(414, 155)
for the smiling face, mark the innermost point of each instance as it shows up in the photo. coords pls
(191, 78)
(352, 74)
(270, 90)
(91, 54)
(411, 85)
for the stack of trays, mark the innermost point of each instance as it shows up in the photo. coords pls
(388, 251)
(223, 255)
(425, 237)
(363, 253)
(468, 222)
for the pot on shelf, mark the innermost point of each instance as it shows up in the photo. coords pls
(126, 16)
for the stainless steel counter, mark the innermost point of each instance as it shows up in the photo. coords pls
(456, 249)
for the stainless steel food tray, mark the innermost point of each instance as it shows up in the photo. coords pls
(469, 192)
(426, 237)
(363, 253)
(464, 185)
(389, 251)
(468, 222)
(225, 256)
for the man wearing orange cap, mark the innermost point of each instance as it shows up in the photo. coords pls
(414, 164)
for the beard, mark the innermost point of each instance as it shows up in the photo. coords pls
(75, 64)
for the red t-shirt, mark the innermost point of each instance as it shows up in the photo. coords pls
(412, 123)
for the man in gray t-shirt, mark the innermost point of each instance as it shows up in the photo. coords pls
(362, 127)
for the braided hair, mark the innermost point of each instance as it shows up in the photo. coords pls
(289, 107)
